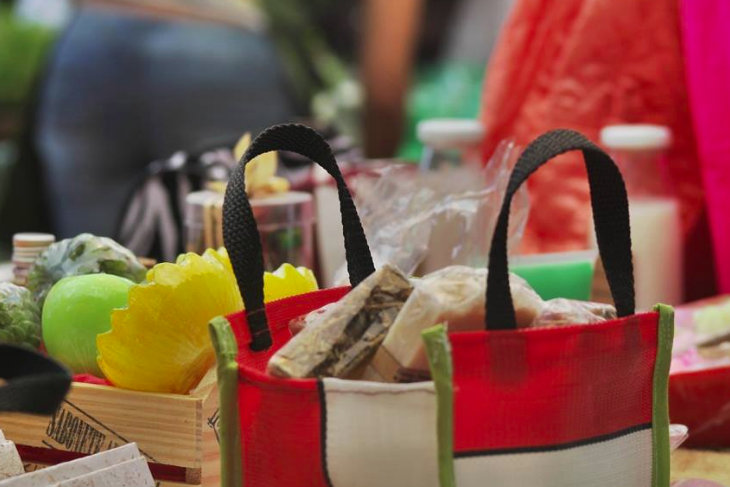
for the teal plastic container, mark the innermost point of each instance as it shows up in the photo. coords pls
(558, 275)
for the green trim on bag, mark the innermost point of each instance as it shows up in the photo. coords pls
(226, 351)
(660, 399)
(438, 351)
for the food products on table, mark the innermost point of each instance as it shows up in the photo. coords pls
(331, 341)
(27, 247)
(83, 254)
(347, 334)
(20, 316)
(453, 295)
(298, 324)
(261, 178)
(559, 311)
(287, 281)
(76, 310)
(160, 341)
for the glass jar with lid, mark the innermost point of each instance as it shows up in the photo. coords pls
(656, 237)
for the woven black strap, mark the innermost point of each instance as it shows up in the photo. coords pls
(34, 383)
(610, 214)
(241, 237)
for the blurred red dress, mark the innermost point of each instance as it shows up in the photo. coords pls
(583, 64)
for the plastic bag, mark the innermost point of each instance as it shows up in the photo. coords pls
(423, 221)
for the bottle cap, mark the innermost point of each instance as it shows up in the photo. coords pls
(636, 136)
(441, 133)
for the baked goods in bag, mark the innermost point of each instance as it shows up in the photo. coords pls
(559, 311)
(454, 296)
(335, 342)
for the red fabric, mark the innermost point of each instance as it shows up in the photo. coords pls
(701, 401)
(706, 40)
(91, 379)
(539, 387)
(550, 386)
(583, 64)
(280, 418)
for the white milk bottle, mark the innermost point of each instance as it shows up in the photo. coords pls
(654, 211)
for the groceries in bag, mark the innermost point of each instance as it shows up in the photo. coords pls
(383, 343)
(346, 334)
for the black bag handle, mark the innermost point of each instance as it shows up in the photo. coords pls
(241, 237)
(35, 383)
(610, 214)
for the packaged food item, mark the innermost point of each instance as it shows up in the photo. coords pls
(342, 338)
(82, 254)
(261, 178)
(20, 316)
(453, 295)
(298, 324)
(285, 218)
(27, 247)
(424, 221)
(560, 311)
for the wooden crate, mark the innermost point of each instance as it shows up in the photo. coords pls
(176, 433)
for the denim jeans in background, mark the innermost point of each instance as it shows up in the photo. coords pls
(123, 90)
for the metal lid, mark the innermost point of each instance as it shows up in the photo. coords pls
(636, 136)
(449, 132)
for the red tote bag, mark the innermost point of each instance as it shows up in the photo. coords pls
(575, 405)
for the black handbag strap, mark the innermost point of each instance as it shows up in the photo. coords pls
(34, 383)
(610, 214)
(241, 237)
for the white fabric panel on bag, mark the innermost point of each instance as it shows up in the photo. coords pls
(380, 434)
(619, 462)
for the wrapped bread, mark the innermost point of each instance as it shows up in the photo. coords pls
(453, 295)
(557, 312)
(336, 342)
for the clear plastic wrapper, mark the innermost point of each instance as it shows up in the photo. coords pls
(423, 221)
(678, 434)
(560, 311)
(453, 296)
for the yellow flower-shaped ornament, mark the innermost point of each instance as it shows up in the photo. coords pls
(160, 341)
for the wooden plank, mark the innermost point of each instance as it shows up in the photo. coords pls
(210, 472)
(701, 464)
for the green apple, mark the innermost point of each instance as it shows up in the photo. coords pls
(76, 310)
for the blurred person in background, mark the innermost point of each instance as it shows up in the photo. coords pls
(129, 82)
